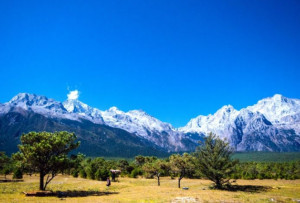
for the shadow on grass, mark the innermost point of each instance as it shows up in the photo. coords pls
(9, 181)
(69, 193)
(80, 193)
(249, 188)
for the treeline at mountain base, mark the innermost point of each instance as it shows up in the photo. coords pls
(46, 153)
(99, 168)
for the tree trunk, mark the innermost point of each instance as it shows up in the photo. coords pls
(158, 182)
(179, 179)
(42, 180)
(218, 184)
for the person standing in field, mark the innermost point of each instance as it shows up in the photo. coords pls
(108, 182)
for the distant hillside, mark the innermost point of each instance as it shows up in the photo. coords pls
(96, 139)
(267, 156)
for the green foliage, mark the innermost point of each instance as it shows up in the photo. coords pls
(267, 170)
(182, 165)
(156, 168)
(125, 167)
(18, 173)
(6, 165)
(102, 174)
(45, 153)
(214, 160)
(82, 173)
(266, 156)
(4, 160)
(135, 173)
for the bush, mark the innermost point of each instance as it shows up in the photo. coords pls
(18, 174)
(101, 174)
(135, 172)
(74, 173)
(82, 173)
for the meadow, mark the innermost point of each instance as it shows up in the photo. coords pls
(69, 189)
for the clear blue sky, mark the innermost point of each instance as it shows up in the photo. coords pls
(173, 59)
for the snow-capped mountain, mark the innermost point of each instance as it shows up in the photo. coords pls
(270, 125)
(280, 111)
(219, 123)
(41, 105)
(137, 122)
(77, 107)
(38, 104)
(273, 124)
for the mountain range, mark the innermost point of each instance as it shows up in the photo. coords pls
(273, 124)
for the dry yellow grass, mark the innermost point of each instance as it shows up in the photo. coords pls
(146, 190)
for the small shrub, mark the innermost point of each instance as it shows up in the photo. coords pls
(134, 173)
(82, 173)
(18, 174)
(74, 173)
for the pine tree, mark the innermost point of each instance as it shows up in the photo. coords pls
(214, 160)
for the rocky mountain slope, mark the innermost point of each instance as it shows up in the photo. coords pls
(149, 131)
(270, 125)
(273, 124)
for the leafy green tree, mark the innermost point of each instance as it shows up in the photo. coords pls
(125, 167)
(182, 165)
(3, 160)
(214, 160)
(140, 160)
(5, 164)
(46, 153)
(156, 168)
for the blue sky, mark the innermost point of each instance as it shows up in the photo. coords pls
(173, 59)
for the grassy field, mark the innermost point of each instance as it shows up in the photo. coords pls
(145, 190)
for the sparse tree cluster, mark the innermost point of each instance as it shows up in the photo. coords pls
(48, 154)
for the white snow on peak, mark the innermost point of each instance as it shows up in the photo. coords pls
(137, 122)
(115, 110)
(220, 121)
(85, 111)
(39, 104)
(278, 110)
(227, 122)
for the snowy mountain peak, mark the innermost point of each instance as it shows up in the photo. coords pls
(28, 99)
(278, 97)
(227, 109)
(76, 106)
(277, 109)
(85, 111)
(205, 124)
(138, 112)
(114, 109)
(271, 124)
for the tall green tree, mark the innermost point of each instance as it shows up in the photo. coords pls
(46, 153)
(182, 165)
(214, 160)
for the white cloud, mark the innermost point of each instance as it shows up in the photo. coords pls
(73, 94)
